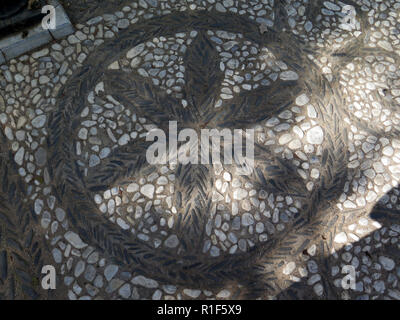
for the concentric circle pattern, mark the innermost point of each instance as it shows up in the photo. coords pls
(317, 81)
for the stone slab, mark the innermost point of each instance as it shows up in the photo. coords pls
(2, 58)
(63, 24)
(16, 44)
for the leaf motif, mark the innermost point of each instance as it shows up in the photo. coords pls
(124, 162)
(203, 77)
(144, 98)
(258, 105)
(194, 183)
(21, 256)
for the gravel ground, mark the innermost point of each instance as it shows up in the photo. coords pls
(82, 10)
(321, 95)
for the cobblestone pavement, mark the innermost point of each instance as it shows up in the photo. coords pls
(322, 95)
